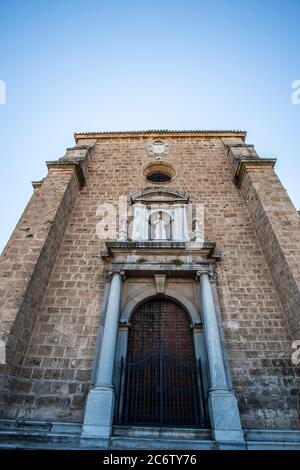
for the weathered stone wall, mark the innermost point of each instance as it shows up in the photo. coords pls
(58, 361)
(25, 267)
(277, 224)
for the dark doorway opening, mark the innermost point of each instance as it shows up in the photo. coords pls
(161, 380)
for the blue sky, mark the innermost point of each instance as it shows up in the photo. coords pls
(75, 65)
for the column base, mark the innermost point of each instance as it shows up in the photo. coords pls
(99, 412)
(225, 416)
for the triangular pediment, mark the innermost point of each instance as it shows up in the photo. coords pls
(159, 195)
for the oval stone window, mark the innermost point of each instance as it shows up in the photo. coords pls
(158, 177)
(161, 172)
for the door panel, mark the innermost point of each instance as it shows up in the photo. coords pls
(160, 373)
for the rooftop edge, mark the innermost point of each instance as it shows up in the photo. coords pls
(159, 132)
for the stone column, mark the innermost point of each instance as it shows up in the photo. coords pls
(101, 398)
(223, 408)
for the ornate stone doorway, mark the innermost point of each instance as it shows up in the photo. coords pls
(161, 379)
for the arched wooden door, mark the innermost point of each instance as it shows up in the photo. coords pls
(160, 375)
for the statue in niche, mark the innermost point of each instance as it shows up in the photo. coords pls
(160, 228)
(198, 231)
(123, 230)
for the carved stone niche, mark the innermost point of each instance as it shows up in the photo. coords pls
(160, 214)
(143, 255)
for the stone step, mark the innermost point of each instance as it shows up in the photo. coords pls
(144, 443)
(31, 426)
(162, 432)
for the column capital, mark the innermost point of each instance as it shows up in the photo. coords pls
(206, 270)
(110, 274)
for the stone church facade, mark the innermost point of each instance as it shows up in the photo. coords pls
(150, 298)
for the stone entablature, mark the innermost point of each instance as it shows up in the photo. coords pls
(161, 255)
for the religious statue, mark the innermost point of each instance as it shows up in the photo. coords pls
(160, 232)
(198, 231)
(123, 230)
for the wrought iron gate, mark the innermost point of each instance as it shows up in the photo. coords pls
(161, 381)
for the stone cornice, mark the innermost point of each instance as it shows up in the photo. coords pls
(245, 163)
(37, 184)
(76, 157)
(63, 165)
(159, 132)
(165, 249)
(166, 195)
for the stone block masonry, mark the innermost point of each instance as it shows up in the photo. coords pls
(54, 279)
(277, 224)
(25, 267)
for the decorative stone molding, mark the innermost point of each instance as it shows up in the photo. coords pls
(144, 294)
(197, 327)
(159, 195)
(207, 247)
(210, 271)
(37, 184)
(76, 157)
(244, 157)
(110, 274)
(206, 270)
(170, 258)
(158, 149)
(62, 166)
(245, 164)
(124, 325)
(152, 134)
(160, 283)
(159, 167)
